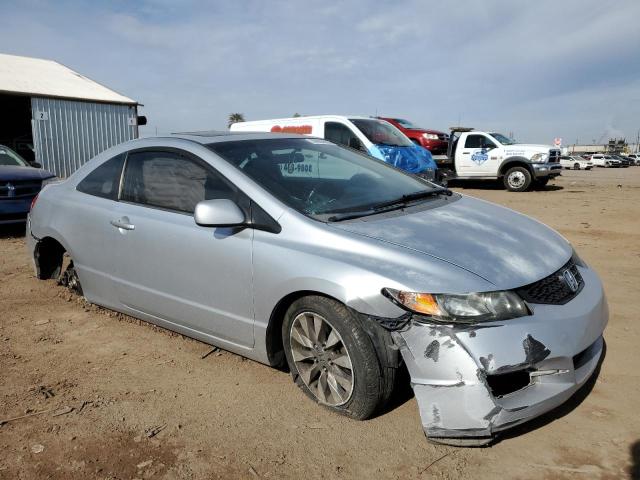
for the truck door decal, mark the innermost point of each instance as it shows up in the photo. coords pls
(480, 156)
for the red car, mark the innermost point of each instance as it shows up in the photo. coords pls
(434, 141)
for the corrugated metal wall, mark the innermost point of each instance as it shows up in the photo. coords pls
(67, 133)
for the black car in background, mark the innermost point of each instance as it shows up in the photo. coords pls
(20, 182)
(624, 162)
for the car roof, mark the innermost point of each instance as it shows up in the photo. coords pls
(213, 136)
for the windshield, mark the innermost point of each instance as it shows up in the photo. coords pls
(502, 139)
(380, 132)
(11, 158)
(407, 124)
(317, 177)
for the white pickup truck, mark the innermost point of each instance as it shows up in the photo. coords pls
(476, 155)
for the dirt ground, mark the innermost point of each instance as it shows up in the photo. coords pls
(110, 397)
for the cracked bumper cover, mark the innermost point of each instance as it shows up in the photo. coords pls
(559, 347)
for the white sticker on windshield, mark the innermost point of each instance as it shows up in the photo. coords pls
(318, 141)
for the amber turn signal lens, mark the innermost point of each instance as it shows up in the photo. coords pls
(423, 303)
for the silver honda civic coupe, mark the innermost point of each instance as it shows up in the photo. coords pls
(299, 253)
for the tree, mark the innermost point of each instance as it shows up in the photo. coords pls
(235, 118)
(297, 115)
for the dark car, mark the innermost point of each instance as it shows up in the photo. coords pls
(20, 182)
(632, 161)
(624, 162)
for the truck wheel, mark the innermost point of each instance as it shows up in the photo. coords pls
(517, 179)
(332, 358)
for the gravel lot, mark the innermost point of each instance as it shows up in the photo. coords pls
(110, 397)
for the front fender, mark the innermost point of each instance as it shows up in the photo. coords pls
(512, 161)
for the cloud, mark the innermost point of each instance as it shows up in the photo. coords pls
(541, 69)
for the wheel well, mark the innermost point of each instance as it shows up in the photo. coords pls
(48, 256)
(275, 349)
(514, 163)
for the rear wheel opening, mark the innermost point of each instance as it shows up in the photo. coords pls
(53, 262)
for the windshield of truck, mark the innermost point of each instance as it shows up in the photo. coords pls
(317, 177)
(380, 132)
(11, 158)
(502, 139)
(407, 124)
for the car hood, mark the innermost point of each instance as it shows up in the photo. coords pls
(530, 146)
(505, 248)
(9, 173)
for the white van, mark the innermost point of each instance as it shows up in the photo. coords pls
(372, 136)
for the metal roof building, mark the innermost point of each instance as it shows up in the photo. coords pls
(57, 117)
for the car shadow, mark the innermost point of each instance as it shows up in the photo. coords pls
(549, 188)
(13, 230)
(634, 470)
(559, 411)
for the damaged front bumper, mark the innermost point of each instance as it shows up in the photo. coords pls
(474, 381)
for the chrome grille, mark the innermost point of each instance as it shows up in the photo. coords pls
(554, 289)
(554, 155)
(19, 188)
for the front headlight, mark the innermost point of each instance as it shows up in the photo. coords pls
(540, 158)
(469, 308)
(430, 136)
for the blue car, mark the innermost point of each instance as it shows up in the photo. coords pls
(20, 182)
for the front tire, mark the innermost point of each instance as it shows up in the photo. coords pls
(576, 166)
(332, 358)
(517, 179)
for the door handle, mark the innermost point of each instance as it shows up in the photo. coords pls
(123, 223)
(466, 153)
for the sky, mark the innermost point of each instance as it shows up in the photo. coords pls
(539, 69)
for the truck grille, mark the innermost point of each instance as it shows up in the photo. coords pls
(443, 136)
(19, 188)
(554, 289)
(554, 156)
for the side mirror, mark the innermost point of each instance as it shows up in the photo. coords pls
(218, 213)
(36, 165)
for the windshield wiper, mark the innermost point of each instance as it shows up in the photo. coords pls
(404, 199)
(390, 205)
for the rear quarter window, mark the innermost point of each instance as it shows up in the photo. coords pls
(104, 181)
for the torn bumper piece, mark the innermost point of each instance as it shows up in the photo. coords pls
(472, 382)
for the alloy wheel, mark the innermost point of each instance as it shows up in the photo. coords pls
(322, 359)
